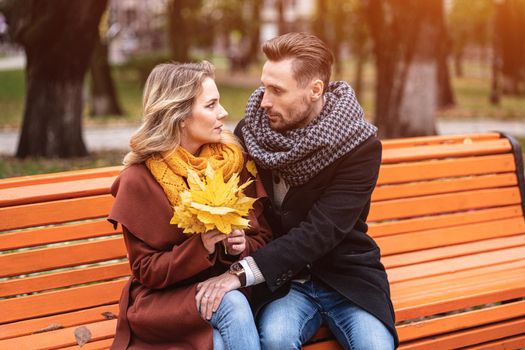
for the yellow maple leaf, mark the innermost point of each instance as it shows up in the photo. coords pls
(252, 169)
(211, 203)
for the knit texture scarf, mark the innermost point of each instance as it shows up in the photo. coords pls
(300, 154)
(171, 168)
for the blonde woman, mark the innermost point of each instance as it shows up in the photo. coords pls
(160, 308)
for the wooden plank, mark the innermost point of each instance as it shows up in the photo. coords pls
(470, 337)
(451, 185)
(63, 256)
(517, 342)
(17, 329)
(396, 155)
(55, 191)
(48, 213)
(452, 265)
(455, 322)
(64, 279)
(48, 235)
(436, 169)
(443, 203)
(439, 139)
(380, 229)
(60, 338)
(418, 257)
(443, 293)
(60, 177)
(414, 241)
(97, 345)
(66, 300)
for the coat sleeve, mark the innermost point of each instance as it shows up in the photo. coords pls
(158, 269)
(159, 253)
(331, 219)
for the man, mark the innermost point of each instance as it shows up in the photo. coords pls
(318, 160)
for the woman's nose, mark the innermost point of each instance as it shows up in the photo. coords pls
(223, 113)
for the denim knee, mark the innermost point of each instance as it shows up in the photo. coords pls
(275, 335)
(235, 305)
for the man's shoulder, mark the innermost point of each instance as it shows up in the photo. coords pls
(371, 147)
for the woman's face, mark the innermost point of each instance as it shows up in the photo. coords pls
(205, 124)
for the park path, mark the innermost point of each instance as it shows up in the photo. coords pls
(116, 137)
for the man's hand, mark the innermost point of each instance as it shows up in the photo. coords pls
(210, 293)
(236, 242)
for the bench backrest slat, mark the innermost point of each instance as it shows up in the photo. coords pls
(55, 212)
(443, 203)
(42, 259)
(48, 235)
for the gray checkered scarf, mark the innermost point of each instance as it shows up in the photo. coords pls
(300, 154)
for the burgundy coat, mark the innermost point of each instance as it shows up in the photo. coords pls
(157, 306)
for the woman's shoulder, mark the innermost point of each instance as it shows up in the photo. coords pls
(134, 178)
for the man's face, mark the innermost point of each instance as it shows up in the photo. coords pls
(287, 105)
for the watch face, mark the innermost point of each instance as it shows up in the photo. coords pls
(236, 267)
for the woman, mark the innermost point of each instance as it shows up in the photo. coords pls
(182, 128)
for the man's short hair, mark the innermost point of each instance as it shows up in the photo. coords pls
(312, 57)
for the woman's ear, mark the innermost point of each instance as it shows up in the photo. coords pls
(317, 89)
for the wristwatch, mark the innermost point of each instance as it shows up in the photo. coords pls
(237, 270)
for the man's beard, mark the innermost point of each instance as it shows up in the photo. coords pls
(299, 119)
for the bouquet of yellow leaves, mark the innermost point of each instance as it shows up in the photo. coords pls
(211, 203)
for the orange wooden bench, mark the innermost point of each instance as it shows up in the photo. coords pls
(448, 214)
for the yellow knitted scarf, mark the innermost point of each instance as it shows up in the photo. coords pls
(170, 168)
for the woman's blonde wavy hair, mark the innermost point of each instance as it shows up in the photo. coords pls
(169, 94)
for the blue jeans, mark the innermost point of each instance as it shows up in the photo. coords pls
(233, 324)
(288, 322)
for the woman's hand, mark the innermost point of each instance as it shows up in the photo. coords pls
(236, 242)
(210, 293)
(209, 239)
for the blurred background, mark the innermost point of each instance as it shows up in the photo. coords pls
(72, 71)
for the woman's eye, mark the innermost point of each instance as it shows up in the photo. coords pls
(211, 105)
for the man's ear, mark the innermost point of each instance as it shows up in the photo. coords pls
(316, 91)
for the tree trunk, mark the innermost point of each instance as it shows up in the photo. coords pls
(103, 99)
(281, 20)
(407, 73)
(180, 24)
(58, 38)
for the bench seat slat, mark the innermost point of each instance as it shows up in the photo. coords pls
(60, 338)
(64, 279)
(456, 264)
(470, 337)
(69, 319)
(56, 212)
(415, 189)
(63, 256)
(444, 168)
(446, 324)
(443, 203)
(44, 304)
(443, 293)
(422, 240)
(413, 258)
(396, 155)
(55, 191)
(380, 229)
(517, 342)
(48, 235)
(97, 345)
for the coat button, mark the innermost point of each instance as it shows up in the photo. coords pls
(290, 273)
(278, 282)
